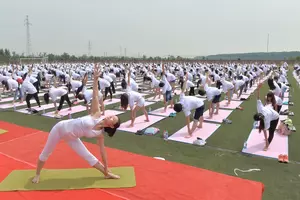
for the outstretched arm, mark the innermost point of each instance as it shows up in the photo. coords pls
(95, 101)
(184, 84)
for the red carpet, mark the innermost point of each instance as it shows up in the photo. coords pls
(156, 179)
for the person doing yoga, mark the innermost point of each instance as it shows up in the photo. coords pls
(90, 126)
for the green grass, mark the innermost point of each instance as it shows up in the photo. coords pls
(222, 153)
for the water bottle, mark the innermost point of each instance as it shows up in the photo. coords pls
(70, 116)
(15, 107)
(245, 145)
(149, 109)
(43, 110)
(166, 135)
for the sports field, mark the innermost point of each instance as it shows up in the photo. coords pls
(222, 152)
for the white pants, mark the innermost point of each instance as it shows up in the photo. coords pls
(76, 144)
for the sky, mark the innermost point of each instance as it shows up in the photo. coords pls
(152, 28)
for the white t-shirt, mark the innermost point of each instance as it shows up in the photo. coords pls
(12, 84)
(167, 86)
(54, 93)
(277, 90)
(154, 82)
(133, 97)
(189, 84)
(238, 84)
(103, 83)
(75, 84)
(189, 103)
(226, 85)
(268, 112)
(27, 87)
(88, 95)
(211, 92)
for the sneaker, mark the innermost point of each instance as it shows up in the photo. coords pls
(199, 142)
(285, 158)
(280, 158)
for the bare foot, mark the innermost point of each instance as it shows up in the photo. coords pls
(130, 126)
(36, 179)
(266, 148)
(163, 111)
(171, 107)
(199, 126)
(112, 176)
(147, 120)
(210, 117)
(70, 109)
(216, 113)
(188, 136)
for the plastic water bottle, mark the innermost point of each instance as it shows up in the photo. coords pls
(245, 145)
(149, 109)
(43, 110)
(70, 116)
(166, 135)
(15, 107)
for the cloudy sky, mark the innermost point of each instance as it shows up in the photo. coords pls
(153, 27)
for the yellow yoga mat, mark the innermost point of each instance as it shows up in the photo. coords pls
(2, 131)
(68, 179)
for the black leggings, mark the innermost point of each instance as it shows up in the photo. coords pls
(218, 84)
(35, 96)
(112, 85)
(192, 91)
(246, 86)
(62, 100)
(36, 85)
(272, 129)
(279, 108)
(107, 89)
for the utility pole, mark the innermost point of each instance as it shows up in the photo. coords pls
(125, 52)
(120, 51)
(28, 42)
(268, 43)
(90, 49)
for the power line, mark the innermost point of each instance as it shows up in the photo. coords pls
(28, 41)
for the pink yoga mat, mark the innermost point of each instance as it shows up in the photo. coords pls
(140, 123)
(17, 104)
(284, 107)
(147, 103)
(6, 99)
(156, 99)
(111, 112)
(66, 111)
(108, 102)
(286, 95)
(159, 112)
(233, 104)
(203, 133)
(235, 97)
(45, 107)
(256, 144)
(223, 114)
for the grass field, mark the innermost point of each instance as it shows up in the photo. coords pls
(222, 152)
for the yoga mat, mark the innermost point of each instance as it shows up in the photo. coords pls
(147, 103)
(235, 97)
(156, 99)
(109, 102)
(286, 95)
(17, 104)
(111, 112)
(2, 131)
(284, 107)
(6, 99)
(256, 143)
(201, 97)
(45, 107)
(233, 104)
(160, 113)
(205, 132)
(139, 123)
(67, 179)
(223, 114)
(66, 111)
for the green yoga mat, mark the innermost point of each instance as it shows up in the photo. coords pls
(68, 179)
(2, 131)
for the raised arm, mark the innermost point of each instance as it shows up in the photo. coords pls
(95, 101)
(184, 84)
(258, 89)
